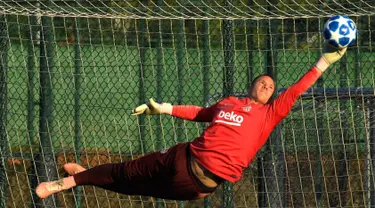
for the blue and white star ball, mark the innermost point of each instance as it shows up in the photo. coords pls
(340, 31)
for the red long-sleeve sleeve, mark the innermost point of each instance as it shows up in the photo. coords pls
(194, 113)
(282, 105)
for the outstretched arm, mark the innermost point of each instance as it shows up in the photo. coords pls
(194, 113)
(187, 112)
(284, 103)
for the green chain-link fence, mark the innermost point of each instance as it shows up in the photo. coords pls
(68, 85)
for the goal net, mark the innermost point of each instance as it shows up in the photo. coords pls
(71, 71)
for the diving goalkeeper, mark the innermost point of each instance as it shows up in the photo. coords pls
(187, 171)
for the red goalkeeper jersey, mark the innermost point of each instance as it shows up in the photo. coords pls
(238, 128)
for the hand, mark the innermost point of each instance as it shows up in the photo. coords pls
(150, 108)
(332, 54)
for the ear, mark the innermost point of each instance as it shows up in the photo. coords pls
(249, 87)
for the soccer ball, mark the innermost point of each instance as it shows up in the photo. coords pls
(340, 31)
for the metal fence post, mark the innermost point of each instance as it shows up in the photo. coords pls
(31, 65)
(142, 93)
(77, 107)
(45, 161)
(206, 74)
(3, 109)
(228, 84)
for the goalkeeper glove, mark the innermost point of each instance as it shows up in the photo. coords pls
(330, 55)
(152, 108)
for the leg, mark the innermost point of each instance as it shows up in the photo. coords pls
(107, 176)
(124, 177)
(73, 168)
(180, 183)
(164, 175)
(45, 189)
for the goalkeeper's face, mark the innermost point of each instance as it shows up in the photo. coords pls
(262, 89)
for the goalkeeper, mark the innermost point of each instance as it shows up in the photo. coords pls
(238, 129)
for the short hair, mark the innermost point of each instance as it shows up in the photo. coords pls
(257, 77)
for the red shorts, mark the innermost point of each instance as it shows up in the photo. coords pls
(163, 174)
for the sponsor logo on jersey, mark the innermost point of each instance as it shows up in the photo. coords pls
(229, 118)
(247, 108)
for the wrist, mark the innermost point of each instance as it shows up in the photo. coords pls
(322, 64)
(166, 108)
